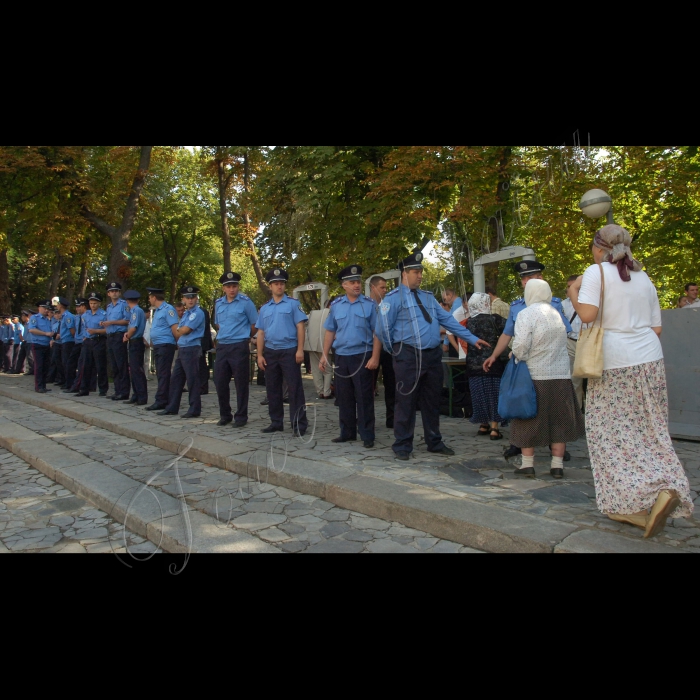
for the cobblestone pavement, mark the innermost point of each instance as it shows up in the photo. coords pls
(479, 472)
(290, 521)
(38, 515)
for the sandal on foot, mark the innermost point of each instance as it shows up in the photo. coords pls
(666, 503)
(484, 431)
(498, 436)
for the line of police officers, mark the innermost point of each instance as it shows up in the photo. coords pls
(406, 325)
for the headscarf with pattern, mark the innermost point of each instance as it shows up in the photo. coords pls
(618, 242)
(480, 305)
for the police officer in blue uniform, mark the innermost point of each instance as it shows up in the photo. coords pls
(95, 345)
(350, 332)
(56, 373)
(281, 337)
(526, 270)
(80, 335)
(137, 349)
(7, 336)
(188, 333)
(163, 327)
(235, 317)
(409, 321)
(19, 339)
(40, 329)
(25, 362)
(116, 323)
(70, 352)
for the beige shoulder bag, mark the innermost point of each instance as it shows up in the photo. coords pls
(590, 358)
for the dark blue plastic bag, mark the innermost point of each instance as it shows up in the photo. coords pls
(518, 400)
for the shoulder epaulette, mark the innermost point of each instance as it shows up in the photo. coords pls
(556, 299)
(394, 293)
(243, 296)
(518, 301)
(338, 301)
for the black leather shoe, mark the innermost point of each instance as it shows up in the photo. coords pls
(265, 403)
(168, 413)
(403, 457)
(512, 452)
(131, 401)
(225, 421)
(82, 394)
(286, 402)
(155, 407)
(239, 426)
(369, 445)
(299, 433)
(187, 416)
(529, 473)
(41, 391)
(446, 451)
(142, 403)
(103, 396)
(272, 429)
(70, 391)
(557, 473)
(340, 441)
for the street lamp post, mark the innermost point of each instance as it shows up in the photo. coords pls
(596, 204)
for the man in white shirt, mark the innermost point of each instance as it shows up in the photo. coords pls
(692, 292)
(576, 326)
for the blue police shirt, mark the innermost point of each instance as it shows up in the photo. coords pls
(18, 333)
(92, 322)
(353, 325)
(194, 320)
(43, 324)
(117, 312)
(55, 328)
(27, 337)
(457, 305)
(279, 323)
(519, 305)
(234, 319)
(401, 321)
(79, 329)
(137, 320)
(6, 333)
(67, 325)
(164, 319)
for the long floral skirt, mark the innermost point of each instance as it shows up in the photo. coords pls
(631, 449)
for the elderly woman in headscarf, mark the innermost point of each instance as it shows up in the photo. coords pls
(485, 388)
(639, 478)
(541, 341)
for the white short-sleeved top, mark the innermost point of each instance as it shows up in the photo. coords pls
(631, 311)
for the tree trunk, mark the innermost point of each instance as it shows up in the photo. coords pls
(497, 223)
(55, 278)
(223, 206)
(5, 298)
(250, 234)
(70, 281)
(83, 280)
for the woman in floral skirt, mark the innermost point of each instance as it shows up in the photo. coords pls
(639, 478)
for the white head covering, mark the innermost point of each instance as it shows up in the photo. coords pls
(538, 292)
(480, 304)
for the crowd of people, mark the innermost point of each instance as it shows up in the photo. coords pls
(401, 336)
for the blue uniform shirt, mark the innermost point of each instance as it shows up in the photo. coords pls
(137, 320)
(117, 312)
(520, 305)
(194, 320)
(164, 319)
(43, 324)
(457, 305)
(79, 329)
(279, 323)
(68, 323)
(7, 333)
(19, 329)
(92, 322)
(27, 337)
(401, 321)
(234, 319)
(55, 328)
(353, 325)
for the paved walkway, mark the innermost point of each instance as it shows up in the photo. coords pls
(478, 475)
(38, 515)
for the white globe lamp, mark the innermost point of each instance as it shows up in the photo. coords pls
(596, 204)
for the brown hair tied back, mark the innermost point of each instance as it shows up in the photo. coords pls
(618, 241)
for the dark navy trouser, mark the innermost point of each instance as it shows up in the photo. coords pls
(187, 370)
(354, 387)
(233, 361)
(70, 355)
(95, 363)
(419, 377)
(282, 365)
(139, 383)
(387, 367)
(163, 356)
(118, 355)
(42, 359)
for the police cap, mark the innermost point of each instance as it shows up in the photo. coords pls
(154, 290)
(189, 292)
(351, 274)
(95, 297)
(529, 267)
(277, 275)
(80, 302)
(64, 302)
(114, 287)
(230, 278)
(131, 295)
(44, 304)
(414, 262)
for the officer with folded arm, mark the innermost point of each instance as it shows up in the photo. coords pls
(350, 332)
(235, 317)
(40, 329)
(163, 327)
(95, 348)
(188, 333)
(409, 324)
(137, 349)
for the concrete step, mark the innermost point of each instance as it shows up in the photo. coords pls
(477, 525)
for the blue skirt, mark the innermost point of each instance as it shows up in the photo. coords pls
(485, 394)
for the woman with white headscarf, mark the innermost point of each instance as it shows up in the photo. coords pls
(639, 478)
(542, 342)
(485, 388)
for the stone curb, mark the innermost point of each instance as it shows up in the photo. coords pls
(479, 526)
(153, 515)
(598, 542)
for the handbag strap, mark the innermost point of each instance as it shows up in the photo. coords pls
(602, 294)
